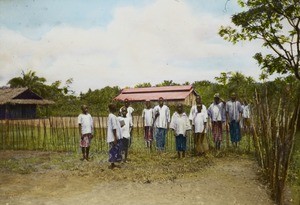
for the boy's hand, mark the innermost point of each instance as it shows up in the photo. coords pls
(115, 141)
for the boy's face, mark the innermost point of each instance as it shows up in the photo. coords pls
(216, 99)
(180, 108)
(199, 108)
(124, 112)
(161, 102)
(84, 109)
(233, 96)
(126, 102)
(148, 105)
(198, 100)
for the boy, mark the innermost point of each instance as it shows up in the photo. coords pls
(161, 120)
(180, 124)
(199, 124)
(126, 125)
(86, 129)
(234, 113)
(114, 134)
(147, 116)
(215, 112)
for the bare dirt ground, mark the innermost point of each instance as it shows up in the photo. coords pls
(48, 178)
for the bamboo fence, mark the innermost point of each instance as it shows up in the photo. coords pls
(62, 134)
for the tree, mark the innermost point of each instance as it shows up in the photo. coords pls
(31, 81)
(143, 85)
(276, 24)
(167, 83)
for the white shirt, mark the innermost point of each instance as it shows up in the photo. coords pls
(126, 128)
(86, 122)
(198, 122)
(129, 112)
(180, 123)
(194, 111)
(215, 112)
(113, 124)
(164, 116)
(246, 111)
(148, 116)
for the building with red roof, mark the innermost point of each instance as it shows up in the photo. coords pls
(172, 94)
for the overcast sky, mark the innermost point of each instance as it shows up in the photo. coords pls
(122, 43)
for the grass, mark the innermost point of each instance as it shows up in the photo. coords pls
(142, 167)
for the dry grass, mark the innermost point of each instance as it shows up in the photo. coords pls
(141, 167)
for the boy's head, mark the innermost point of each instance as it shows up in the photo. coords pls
(124, 111)
(148, 104)
(161, 101)
(126, 102)
(199, 107)
(112, 108)
(216, 98)
(233, 96)
(84, 109)
(198, 99)
(179, 108)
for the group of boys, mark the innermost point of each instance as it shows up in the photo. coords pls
(157, 121)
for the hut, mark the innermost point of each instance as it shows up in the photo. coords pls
(172, 94)
(19, 103)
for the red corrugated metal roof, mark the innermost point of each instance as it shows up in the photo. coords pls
(169, 93)
(158, 89)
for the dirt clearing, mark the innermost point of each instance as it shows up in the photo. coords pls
(48, 178)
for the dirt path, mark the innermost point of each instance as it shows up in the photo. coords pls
(226, 181)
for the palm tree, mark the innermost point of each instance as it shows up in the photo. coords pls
(29, 80)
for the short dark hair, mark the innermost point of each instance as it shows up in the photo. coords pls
(112, 107)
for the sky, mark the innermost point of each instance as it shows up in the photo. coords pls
(121, 43)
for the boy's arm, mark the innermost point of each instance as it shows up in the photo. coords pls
(92, 126)
(115, 136)
(79, 126)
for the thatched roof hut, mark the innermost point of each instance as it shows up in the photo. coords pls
(19, 103)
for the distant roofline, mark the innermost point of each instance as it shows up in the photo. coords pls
(157, 89)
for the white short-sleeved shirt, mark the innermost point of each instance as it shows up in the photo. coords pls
(126, 128)
(86, 122)
(180, 123)
(246, 111)
(198, 121)
(113, 124)
(164, 116)
(215, 112)
(130, 110)
(194, 111)
(148, 116)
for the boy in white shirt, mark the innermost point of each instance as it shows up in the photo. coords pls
(180, 124)
(114, 134)
(161, 120)
(246, 117)
(126, 125)
(199, 124)
(217, 117)
(148, 116)
(130, 111)
(86, 129)
(193, 110)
